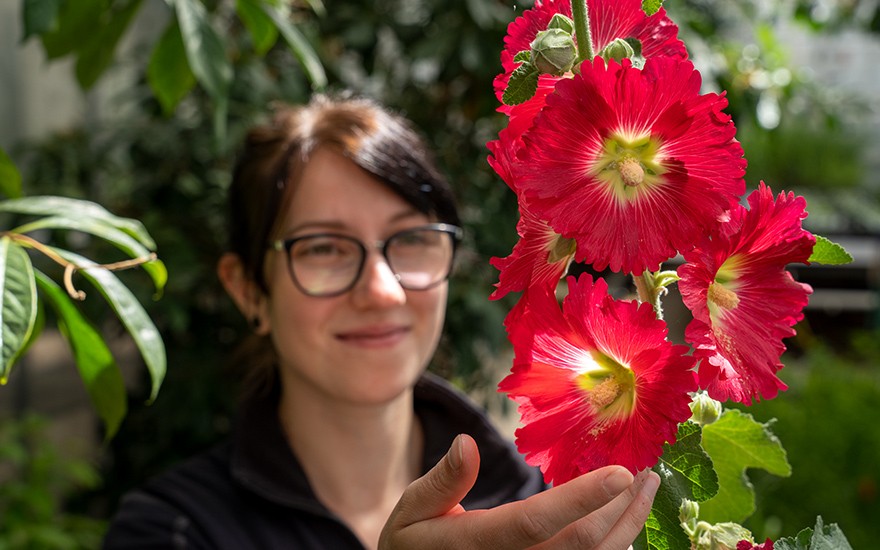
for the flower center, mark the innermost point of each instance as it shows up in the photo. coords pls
(629, 165)
(722, 296)
(560, 249)
(609, 387)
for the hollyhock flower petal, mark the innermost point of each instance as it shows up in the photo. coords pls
(596, 381)
(743, 300)
(635, 165)
(540, 257)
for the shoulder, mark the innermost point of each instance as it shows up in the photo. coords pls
(184, 507)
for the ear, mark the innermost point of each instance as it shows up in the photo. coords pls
(247, 295)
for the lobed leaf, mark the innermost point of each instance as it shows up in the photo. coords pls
(168, 72)
(96, 365)
(736, 442)
(10, 177)
(650, 7)
(139, 325)
(522, 85)
(685, 472)
(18, 303)
(829, 253)
(76, 208)
(822, 537)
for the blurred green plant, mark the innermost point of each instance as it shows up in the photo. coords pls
(34, 477)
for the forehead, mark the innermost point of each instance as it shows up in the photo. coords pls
(334, 189)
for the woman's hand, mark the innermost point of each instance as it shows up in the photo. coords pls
(606, 509)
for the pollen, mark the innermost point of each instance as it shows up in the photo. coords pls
(722, 296)
(631, 172)
(605, 393)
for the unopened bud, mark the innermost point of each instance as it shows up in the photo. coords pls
(553, 52)
(563, 22)
(704, 409)
(617, 50)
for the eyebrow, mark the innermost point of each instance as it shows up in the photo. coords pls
(341, 225)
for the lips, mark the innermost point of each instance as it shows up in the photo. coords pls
(374, 337)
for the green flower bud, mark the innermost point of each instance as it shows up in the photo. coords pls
(704, 409)
(560, 21)
(617, 50)
(553, 52)
(688, 514)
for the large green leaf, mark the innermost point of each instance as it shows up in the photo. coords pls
(829, 252)
(822, 537)
(10, 178)
(76, 27)
(685, 472)
(96, 365)
(76, 208)
(139, 325)
(263, 31)
(168, 72)
(99, 228)
(299, 46)
(18, 303)
(39, 16)
(736, 442)
(96, 54)
(204, 48)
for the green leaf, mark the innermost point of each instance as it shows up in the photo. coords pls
(18, 303)
(204, 48)
(829, 253)
(96, 54)
(99, 228)
(66, 207)
(10, 178)
(262, 28)
(168, 72)
(76, 27)
(39, 16)
(522, 85)
(96, 365)
(736, 442)
(685, 472)
(299, 46)
(524, 56)
(650, 7)
(142, 330)
(823, 537)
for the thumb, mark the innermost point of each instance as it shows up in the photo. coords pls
(440, 490)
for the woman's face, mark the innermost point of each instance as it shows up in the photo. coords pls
(369, 344)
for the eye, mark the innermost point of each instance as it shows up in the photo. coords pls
(324, 249)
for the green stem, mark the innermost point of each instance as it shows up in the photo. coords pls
(581, 15)
(648, 291)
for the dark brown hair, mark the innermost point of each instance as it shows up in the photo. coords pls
(381, 142)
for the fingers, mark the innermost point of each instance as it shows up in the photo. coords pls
(436, 493)
(615, 525)
(541, 517)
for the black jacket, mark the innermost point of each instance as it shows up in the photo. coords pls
(252, 493)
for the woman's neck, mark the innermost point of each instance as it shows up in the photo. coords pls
(358, 458)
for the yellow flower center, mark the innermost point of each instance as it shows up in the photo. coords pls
(722, 296)
(629, 165)
(609, 387)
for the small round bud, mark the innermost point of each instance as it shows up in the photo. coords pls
(553, 52)
(617, 50)
(563, 22)
(704, 409)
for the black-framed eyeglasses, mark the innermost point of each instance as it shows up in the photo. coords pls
(329, 264)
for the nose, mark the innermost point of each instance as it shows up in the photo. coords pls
(377, 285)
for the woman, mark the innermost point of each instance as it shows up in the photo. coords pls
(342, 239)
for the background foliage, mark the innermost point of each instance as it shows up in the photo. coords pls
(169, 166)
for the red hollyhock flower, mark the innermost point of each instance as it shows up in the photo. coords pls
(609, 20)
(743, 300)
(746, 545)
(635, 165)
(597, 382)
(541, 257)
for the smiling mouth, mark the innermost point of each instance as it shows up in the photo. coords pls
(374, 338)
